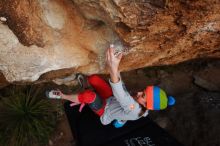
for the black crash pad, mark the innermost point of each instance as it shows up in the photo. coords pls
(88, 131)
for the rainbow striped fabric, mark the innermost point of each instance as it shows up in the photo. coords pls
(156, 98)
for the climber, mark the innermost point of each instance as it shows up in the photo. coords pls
(113, 103)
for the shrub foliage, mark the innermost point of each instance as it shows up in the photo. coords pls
(25, 118)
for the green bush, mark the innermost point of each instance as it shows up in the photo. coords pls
(25, 119)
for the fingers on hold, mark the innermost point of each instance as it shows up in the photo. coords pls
(107, 55)
(120, 54)
(111, 51)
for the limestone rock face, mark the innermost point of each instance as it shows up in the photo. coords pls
(54, 38)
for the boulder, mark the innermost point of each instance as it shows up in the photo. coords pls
(208, 79)
(43, 38)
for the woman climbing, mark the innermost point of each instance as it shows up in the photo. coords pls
(113, 103)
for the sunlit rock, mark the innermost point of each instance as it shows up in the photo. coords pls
(48, 39)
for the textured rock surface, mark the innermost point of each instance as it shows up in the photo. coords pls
(208, 79)
(41, 36)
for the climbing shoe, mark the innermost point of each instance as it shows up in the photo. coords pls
(53, 94)
(83, 81)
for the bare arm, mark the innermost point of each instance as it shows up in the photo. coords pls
(71, 97)
(113, 62)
